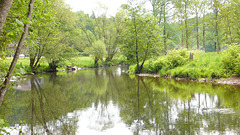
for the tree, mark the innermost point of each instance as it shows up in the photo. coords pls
(197, 7)
(42, 32)
(13, 28)
(229, 21)
(182, 12)
(65, 23)
(98, 50)
(186, 5)
(216, 19)
(161, 11)
(204, 24)
(115, 30)
(4, 86)
(5, 6)
(141, 37)
(102, 28)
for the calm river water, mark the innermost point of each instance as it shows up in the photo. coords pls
(107, 101)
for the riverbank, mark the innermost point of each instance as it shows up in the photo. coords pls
(212, 67)
(83, 62)
(88, 92)
(229, 81)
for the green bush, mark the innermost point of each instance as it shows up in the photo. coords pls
(177, 57)
(173, 59)
(205, 65)
(191, 73)
(132, 68)
(149, 67)
(237, 66)
(109, 63)
(231, 59)
(3, 69)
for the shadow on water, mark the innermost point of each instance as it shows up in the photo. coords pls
(108, 101)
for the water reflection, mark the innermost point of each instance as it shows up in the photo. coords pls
(108, 101)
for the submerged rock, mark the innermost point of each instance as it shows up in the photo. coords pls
(72, 68)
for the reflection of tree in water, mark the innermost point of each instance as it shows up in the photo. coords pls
(167, 108)
(44, 114)
(146, 105)
(100, 83)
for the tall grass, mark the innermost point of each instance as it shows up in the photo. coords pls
(80, 61)
(22, 66)
(177, 64)
(162, 64)
(204, 65)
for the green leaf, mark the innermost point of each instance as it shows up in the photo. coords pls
(1, 122)
(19, 22)
(27, 22)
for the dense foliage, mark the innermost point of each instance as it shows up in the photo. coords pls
(151, 39)
(57, 33)
(162, 64)
(231, 59)
(177, 64)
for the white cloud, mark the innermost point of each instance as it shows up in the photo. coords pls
(89, 5)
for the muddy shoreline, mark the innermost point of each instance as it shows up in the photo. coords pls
(229, 81)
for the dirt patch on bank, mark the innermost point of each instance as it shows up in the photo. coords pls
(233, 81)
(230, 81)
(148, 75)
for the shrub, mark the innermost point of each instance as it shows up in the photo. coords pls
(177, 57)
(230, 58)
(109, 63)
(173, 59)
(3, 69)
(133, 68)
(149, 67)
(204, 65)
(237, 66)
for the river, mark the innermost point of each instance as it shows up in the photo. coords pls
(108, 101)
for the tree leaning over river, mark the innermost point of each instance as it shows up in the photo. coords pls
(142, 35)
(5, 6)
(5, 85)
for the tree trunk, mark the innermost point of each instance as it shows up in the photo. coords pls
(34, 63)
(217, 42)
(146, 55)
(197, 29)
(182, 38)
(109, 58)
(53, 65)
(96, 62)
(164, 29)
(204, 46)
(217, 45)
(136, 45)
(17, 53)
(5, 6)
(229, 28)
(186, 25)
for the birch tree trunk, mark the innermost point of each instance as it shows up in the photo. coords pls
(5, 6)
(5, 85)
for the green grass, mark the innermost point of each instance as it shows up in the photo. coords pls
(22, 66)
(204, 65)
(88, 61)
(81, 61)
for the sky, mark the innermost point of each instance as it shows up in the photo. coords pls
(89, 5)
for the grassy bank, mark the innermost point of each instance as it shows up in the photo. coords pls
(205, 65)
(22, 66)
(177, 64)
